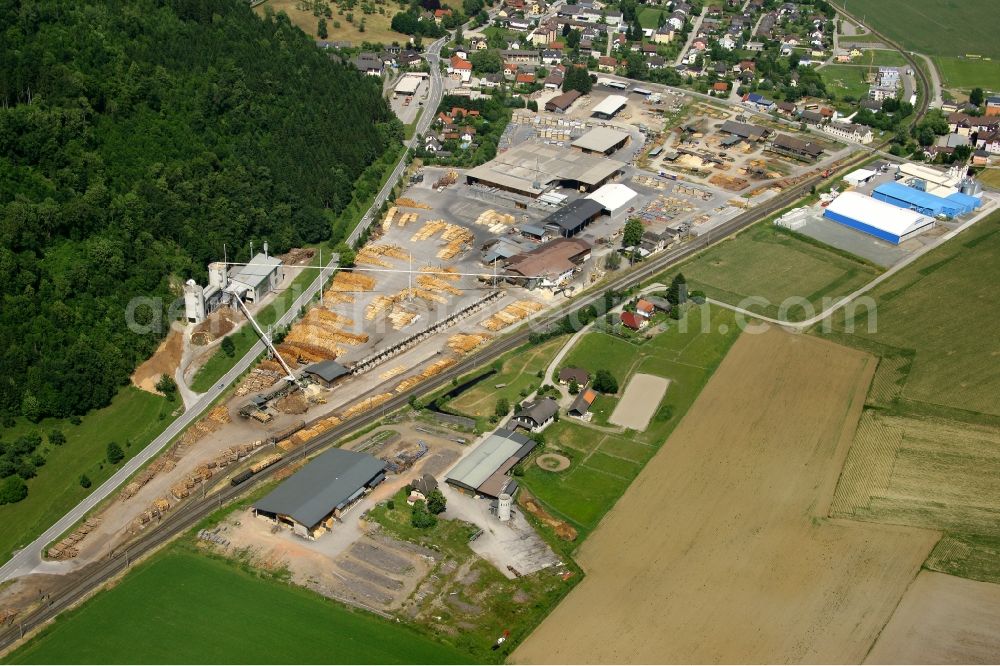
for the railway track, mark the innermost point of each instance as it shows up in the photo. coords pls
(189, 513)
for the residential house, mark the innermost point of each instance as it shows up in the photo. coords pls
(850, 131)
(551, 57)
(439, 15)
(980, 158)
(491, 80)
(728, 42)
(526, 78)
(664, 35)
(566, 375)
(369, 63)
(758, 102)
(989, 141)
(409, 58)
(644, 308)
(535, 415)
(656, 62)
(632, 320)
(786, 108)
(460, 68)
(720, 87)
(607, 64)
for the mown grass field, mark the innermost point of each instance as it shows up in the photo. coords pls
(518, 370)
(965, 74)
(884, 57)
(377, 26)
(605, 461)
(926, 452)
(845, 81)
(183, 608)
(990, 177)
(766, 262)
(133, 419)
(934, 27)
(649, 17)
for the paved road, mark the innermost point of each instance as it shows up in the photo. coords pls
(935, 99)
(434, 94)
(29, 557)
(691, 35)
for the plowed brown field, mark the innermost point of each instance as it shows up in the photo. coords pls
(720, 551)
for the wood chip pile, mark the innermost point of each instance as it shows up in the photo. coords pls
(258, 379)
(511, 314)
(463, 343)
(67, 549)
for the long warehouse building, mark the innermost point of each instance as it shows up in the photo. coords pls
(876, 218)
(532, 169)
(903, 196)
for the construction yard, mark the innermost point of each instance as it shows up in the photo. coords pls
(721, 551)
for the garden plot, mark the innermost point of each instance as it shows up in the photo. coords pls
(639, 402)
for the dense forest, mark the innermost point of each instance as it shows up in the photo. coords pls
(136, 137)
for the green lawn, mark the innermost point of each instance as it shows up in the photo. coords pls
(770, 263)
(519, 371)
(605, 463)
(649, 17)
(183, 608)
(965, 74)
(943, 310)
(219, 364)
(934, 27)
(883, 57)
(133, 419)
(845, 81)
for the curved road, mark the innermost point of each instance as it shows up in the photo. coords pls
(30, 557)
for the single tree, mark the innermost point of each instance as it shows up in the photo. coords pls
(677, 292)
(605, 382)
(115, 453)
(574, 386)
(421, 518)
(613, 261)
(321, 29)
(57, 437)
(228, 347)
(436, 502)
(632, 235)
(502, 407)
(85, 481)
(13, 489)
(167, 386)
(976, 97)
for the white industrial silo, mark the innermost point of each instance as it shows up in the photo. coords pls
(504, 503)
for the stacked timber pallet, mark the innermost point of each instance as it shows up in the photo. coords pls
(432, 370)
(67, 548)
(463, 343)
(511, 314)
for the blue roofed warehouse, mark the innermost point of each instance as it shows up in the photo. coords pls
(903, 196)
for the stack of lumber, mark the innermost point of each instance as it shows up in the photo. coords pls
(302, 350)
(429, 229)
(329, 317)
(393, 372)
(435, 368)
(458, 238)
(315, 429)
(511, 314)
(401, 318)
(389, 216)
(67, 549)
(463, 343)
(436, 283)
(424, 294)
(344, 284)
(497, 222)
(406, 218)
(410, 203)
(215, 419)
(374, 254)
(365, 405)
(378, 304)
(442, 272)
(7, 615)
(136, 484)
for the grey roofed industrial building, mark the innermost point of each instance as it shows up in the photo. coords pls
(505, 248)
(326, 372)
(483, 470)
(604, 140)
(561, 103)
(323, 487)
(744, 130)
(609, 106)
(259, 276)
(531, 169)
(574, 216)
(796, 146)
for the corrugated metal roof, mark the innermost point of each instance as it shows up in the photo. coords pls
(323, 485)
(610, 105)
(876, 214)
(600, 139)
(480, 463)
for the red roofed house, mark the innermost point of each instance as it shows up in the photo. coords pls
(607, 63)
(525, 77)
(632, 320)
(644, 308)
(440, 14)
(720, 86)
(583, 402)
(460, 68)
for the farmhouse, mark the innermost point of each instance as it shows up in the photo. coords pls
(312, 499)
(532, 169)
(566, 375)
(483, 471)
(326, 373)
(876, 218)
(602, 140)
(583, 402)
(632, 320)
(851, 131)
(535, 415)
(561, 103)
(609, 107)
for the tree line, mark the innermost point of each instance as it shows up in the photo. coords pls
(136, 138)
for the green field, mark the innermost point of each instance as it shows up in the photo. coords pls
(925, 453)
(845, 81)
(939, 310)
(883, 57)
(770, 263)
(649, 17)
(604, 461)
(964, 74)
(133, 419)
(518, 370)
(990, 177)
(184, 608)
(934, 27)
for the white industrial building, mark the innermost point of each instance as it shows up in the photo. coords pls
(409, 84)
(876, 218)
(603, 140)
(613, 197)
(252, 282)
(859, 177)
(199, 302)
(609, 107)
(933, 181)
